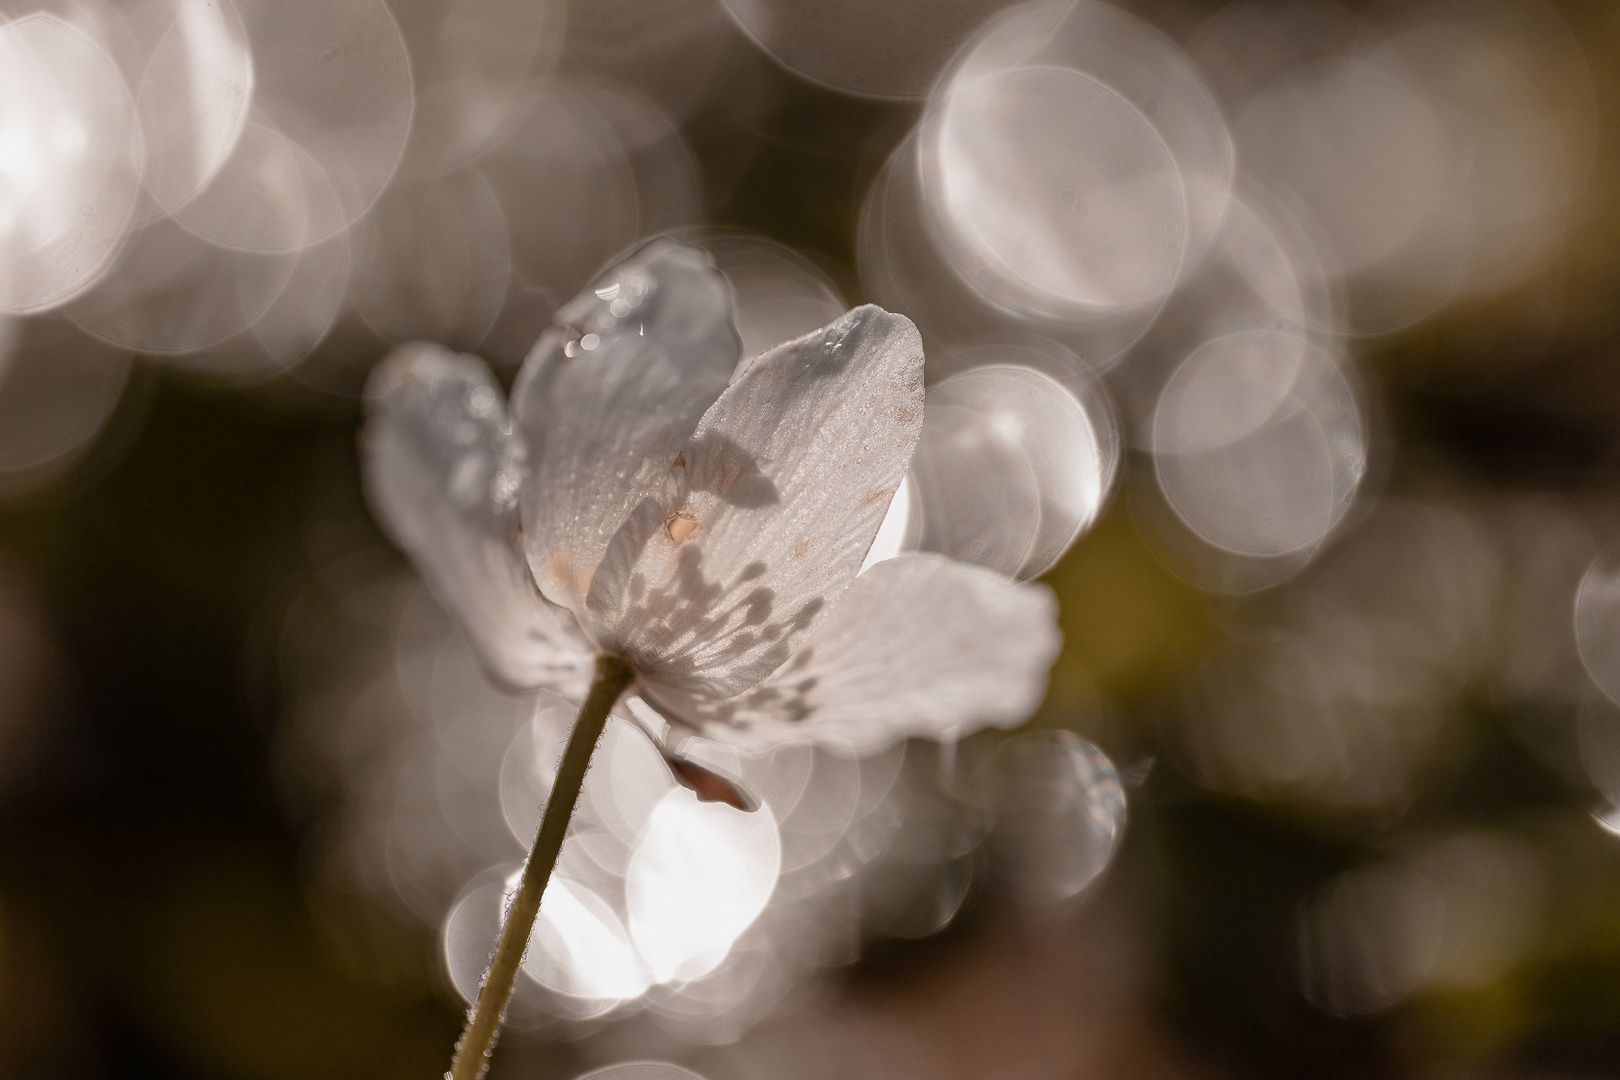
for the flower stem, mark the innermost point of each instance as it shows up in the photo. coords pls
(477, 1041)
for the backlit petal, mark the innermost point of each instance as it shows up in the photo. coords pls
(607, 399)
(919, 646)
(442, 469)
(768, 511)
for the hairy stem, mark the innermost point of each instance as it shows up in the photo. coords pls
(477, 1042)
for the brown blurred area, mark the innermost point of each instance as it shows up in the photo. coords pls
(1367, 831)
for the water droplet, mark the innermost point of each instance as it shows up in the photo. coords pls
(589, 342)
(608, 292)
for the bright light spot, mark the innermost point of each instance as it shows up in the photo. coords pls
(1608, 819)
(580, 947)
(69, 138)
(891, 535)
(68, 161)
(18, 158)
(1005, 149)
(1006, 425)
(700, 876)
(1010, 469)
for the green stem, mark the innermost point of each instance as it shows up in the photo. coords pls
(613, 676)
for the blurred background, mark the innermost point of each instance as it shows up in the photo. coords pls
(1279, 338)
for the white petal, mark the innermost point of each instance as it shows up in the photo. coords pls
(920, 645)
(685, 757)
(442, 468)
(768, 511)
(609, 396)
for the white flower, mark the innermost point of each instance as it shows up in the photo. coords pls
(706, 526)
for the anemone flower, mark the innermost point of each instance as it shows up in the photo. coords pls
(652, 514)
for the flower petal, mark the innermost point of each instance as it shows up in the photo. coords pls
(919, 645)
(707, 780)
(768, 510)
(442, 468)
(609, 396)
